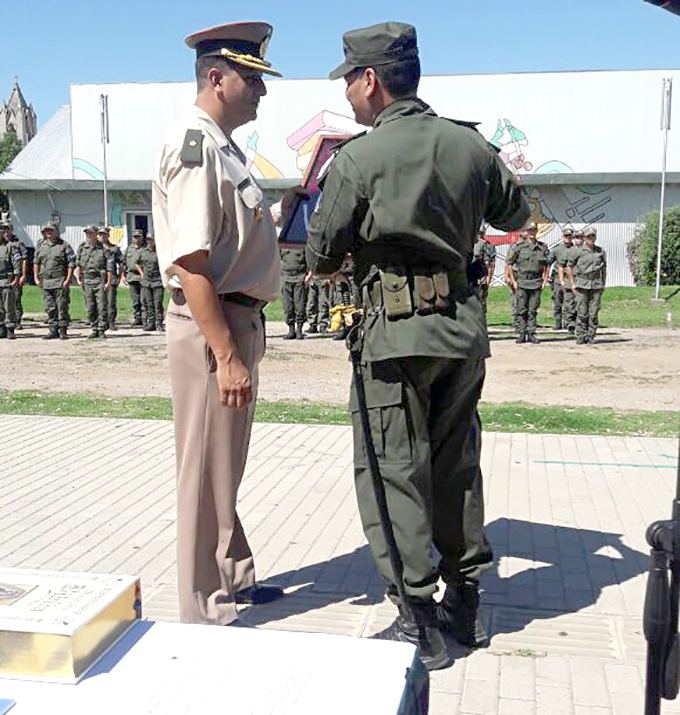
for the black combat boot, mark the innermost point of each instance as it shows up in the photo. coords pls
(62, 334)
(298, 332)
(521, 338)
(290, 335)
(10, 334)
(312, 329)
(419, 627)
(580, 341)
(531, 338)
(458, 614)
(93, 335)
(3, 331)
(52, 335)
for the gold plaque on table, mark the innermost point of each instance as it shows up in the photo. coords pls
(55, 625)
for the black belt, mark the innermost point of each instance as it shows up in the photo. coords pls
(243, 299)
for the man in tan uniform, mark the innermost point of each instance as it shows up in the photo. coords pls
(219, 258)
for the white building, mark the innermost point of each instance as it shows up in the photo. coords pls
(587, 146)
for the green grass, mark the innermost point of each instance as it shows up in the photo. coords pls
(621, 308)
(33, 303)
(507, 417)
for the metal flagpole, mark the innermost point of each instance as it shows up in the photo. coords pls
(666, 95)
(104, 104)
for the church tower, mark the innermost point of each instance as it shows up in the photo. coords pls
(17, 116)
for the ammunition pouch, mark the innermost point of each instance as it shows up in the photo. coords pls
(402, 292)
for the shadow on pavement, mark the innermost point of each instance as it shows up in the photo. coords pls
(575, 565)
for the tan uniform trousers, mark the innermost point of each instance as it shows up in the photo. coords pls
(214, 560)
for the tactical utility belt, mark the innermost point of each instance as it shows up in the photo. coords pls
(402, 292)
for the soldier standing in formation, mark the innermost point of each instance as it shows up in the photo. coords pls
(293, 289)
(6, 229)
(527, 274)
(421, 352)
(556, 258)
(116, 261)
(10, 270)
(318, 304)
(587, 271)
(134, 279)
(484, 253)
(52, 271)
(152, 285)
(93, 274)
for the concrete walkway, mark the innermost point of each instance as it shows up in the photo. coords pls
(567, 518)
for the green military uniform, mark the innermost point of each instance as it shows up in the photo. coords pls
(293, 289)
(116, 260)
(152, 287)
(318, 306)
(10, 270)
(406, 201)
(589, 268)
(54, 260)
(483, 255)
(529, 259)
(134, 280)
(94, 263)
(558, 257)
(6, 228)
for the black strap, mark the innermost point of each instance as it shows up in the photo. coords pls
(354, 340)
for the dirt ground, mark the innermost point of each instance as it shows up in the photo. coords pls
(627, 369)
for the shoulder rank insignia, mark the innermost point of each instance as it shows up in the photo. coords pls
(192, 149)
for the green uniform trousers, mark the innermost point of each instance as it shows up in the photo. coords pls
(56, 306)
(318, 304)
(111, 296)
(8, 317)
(294, 299)
(483, 296)
(558, 296)
(569, 309)
(153, 306)
(18, 303)
(95, 304)
(587, 311)
(137, 302)
(528, 300)
(427, 437)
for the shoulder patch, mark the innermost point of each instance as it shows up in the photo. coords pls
(192, 149)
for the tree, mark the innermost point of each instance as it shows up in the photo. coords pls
(10, 146)
(642, 249)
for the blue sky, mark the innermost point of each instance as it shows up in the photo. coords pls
(51, 44)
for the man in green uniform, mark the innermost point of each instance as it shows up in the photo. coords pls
(293, 289)
(509, 280)
(6, 228)
(587, 271)
(318, 304)
(484, 257)
(53, 266)
(10, 270)
(111, 293)
(406, 201)
(152, 285)
(528, 272)
(132, 278)
(93, 275)
(557, 257)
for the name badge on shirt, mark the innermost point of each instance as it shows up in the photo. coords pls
(251, 197)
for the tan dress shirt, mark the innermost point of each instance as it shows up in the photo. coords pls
(215, 206)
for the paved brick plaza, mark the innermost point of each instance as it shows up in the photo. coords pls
(566, 515)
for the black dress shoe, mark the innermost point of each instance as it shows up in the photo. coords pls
(258, 594)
